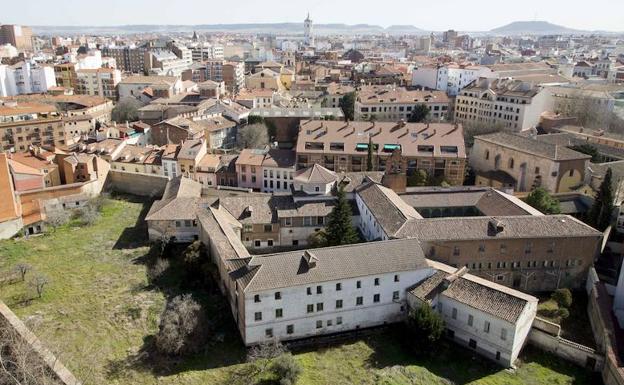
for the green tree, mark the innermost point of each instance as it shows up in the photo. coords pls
(126, 110)
(588, 149)
(543, 201)
(420, 113)
(339, 230)
(347, 104)
(369, 158)
(419, 178)
(425, 326)
(599, 215)
(563, 297)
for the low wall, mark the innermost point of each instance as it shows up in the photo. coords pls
(10, 228)
(603, 327)
(137, 184)
(568, 350)
(57, 369)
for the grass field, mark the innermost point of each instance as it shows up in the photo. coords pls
(99, 313)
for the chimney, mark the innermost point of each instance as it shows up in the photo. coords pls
(495, 226)
(449, 279)
(309, 259)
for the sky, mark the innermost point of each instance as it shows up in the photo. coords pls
(437, 15)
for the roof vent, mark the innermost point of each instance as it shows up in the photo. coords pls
(310, 259)
(495, 226)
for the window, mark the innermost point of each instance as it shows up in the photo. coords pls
(257, 243)
(258, 316)
(279, 313)
(268, 333)
(395, 295)
(256, 298)
(376, 298)
(376, 281)
(486, 327)
(487, 154)
(396, 278)
(339, 321)
(338, 286)
(319, 324)
(310, 308)
(503, 334)
(338, 304)
(455, 250)
(278, 295)
(290, 329)
(268, 228)
(359, 301)
(319, 306)
(358, 284)
(319, 289)
(309, 290)
(454, 313)
(470, 319)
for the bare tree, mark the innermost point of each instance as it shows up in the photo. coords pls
(57, 218)
(38, 283)
(589, 112)
(184, 327)
(126, 110)
(89, 213)
(22, 269)
(253, 136)
(19, 363)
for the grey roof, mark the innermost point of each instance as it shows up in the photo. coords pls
(316, 174)
(390, 211)
(532, 146)
(352, 180)
(515, 227)
(488, 201)
(478, 293)
(263, 207)
(305, 208)
(182, 187)
(335, 263)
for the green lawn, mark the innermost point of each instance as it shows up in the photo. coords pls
(99, 314)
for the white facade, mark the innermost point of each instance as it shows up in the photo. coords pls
(382, 301)
(459, 77)
(25, 78)
(277, 179)
(170, 168)
(433, 78)
(308, 32)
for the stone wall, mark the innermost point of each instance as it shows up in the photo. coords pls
(137, 184)
(568, 350)
(57, 370)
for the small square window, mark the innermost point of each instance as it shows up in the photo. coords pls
(319, 324)
(376, 298)
(358, 284)
(258, 316)
(396, 278)
(395, 295)
(278, 295)
(309, 290)
(290, 329)
(256, 298)
(319, 290)
(376, 281)
(338, 304)
(339, 321)
(268, 333)
(319, 306)
(279, 313)
(359, 301)
(310, 308)
(338, 286)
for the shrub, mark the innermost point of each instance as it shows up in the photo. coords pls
(286, 369)
(156, 271)
(426, 327)
(183, 328)
(563, 297)
(562, 313)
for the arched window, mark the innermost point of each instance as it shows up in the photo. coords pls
(511, 163)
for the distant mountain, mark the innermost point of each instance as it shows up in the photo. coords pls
(268, 28)
(533, 27)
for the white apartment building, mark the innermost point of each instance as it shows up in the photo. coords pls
(431, 77)
(358, 289)
(25, 78)
(460, 76)
(278, 169)
(98, 82)
(512, 104)
(491, 319)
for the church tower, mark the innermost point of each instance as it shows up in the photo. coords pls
(308, 33)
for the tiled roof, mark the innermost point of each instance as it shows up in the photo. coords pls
(390, 211)
(316, 174)
(335, 263)
(532, 146)
(514, 227)
(478, 293)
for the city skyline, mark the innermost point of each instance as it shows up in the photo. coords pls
(479, 15)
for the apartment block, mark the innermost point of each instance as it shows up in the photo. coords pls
(390, 103)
